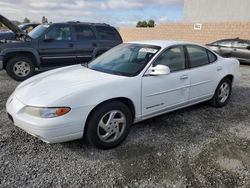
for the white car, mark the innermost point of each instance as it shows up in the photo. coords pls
(130, 83)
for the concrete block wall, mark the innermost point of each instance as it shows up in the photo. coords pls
(185, 31)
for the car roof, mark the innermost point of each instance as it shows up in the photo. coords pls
(164, 43)
(232, 39)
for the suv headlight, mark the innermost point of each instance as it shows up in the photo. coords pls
(50, 112)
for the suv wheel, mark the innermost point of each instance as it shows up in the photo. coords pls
(109, 125)
(20, 68)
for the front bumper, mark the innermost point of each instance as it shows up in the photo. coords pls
(51, 130)
(1, 62)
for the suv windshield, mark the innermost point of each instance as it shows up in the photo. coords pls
(125, 59)
(38, 31)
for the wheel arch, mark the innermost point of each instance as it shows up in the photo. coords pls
(230, 76)
(128, 102)
(8, 55)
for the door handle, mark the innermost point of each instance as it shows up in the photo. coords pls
(71, 45)
(234, 49)
(94, 45)
(184, 77)
(219, 68)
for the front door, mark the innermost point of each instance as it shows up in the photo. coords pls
(56, 48)
(241, 50)
(225, 48)
(166, 92)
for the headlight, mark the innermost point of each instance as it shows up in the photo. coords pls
(46, 112)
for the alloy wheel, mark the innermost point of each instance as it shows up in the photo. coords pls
(111, 126)
(224, 92)
(21, 68)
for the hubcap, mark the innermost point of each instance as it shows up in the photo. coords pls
(21, 68)
(224, 92)
(111, 126)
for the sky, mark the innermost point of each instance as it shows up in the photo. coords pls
(114, 12)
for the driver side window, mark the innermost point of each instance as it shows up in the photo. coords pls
(174, 58)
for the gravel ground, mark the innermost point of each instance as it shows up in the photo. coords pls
(199, 146)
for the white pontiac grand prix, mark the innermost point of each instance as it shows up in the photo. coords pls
(130, 83)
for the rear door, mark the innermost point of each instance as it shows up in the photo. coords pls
(202, 70)
(85, 42)
(56, 47)
(108, 38)
(241, 50)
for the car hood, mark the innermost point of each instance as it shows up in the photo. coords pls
(7, 35)
(47, 88)
(11, 26)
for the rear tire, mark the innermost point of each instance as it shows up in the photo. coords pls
(222, 93)
(20, 68)
(109, 125)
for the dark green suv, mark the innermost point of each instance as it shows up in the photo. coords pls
(54, 45)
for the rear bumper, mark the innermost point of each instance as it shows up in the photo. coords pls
(1, 62)
(237, 74)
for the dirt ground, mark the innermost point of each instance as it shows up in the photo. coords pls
(199, 146)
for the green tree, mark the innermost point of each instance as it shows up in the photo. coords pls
(138, 24)
(151, 23)
(26, 20)
(144, 24)
(16, 22)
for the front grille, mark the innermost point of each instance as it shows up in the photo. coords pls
(11, 118)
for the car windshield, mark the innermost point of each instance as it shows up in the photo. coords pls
(125, 59)
(38, 31)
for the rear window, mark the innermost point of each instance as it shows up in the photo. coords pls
(240, 44)
(108, 33)
(212, 58)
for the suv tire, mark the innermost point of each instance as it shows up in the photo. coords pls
(20, 68)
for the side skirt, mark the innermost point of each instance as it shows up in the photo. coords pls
(173, 108)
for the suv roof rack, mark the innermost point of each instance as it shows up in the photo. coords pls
(90, 23)
(73, 22)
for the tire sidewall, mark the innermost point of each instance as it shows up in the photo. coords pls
(216, 97)
(13, 61)
(92, 124)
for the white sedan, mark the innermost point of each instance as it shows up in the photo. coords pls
(130, 83)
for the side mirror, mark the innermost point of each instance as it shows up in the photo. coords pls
(159, 70)
(248, 47)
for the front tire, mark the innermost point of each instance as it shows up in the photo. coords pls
(20, 68)
(109, 125)
(222, 93)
